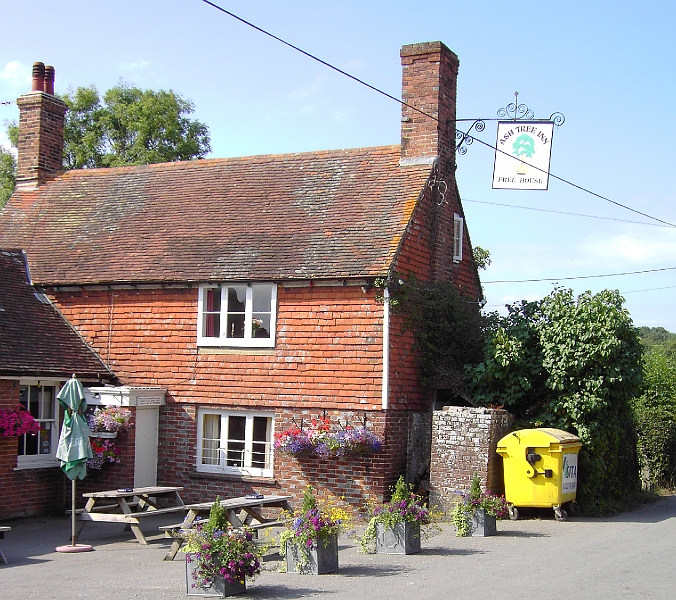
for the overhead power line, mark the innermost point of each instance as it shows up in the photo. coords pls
(400, 101)
(560, 212)
(579, 277)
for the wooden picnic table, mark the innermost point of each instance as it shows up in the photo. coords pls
(130, 505)
(2, 536)
(243, 511)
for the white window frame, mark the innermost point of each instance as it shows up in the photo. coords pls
(458, 233)
(43, 461)
(248, 341)
(246, 469)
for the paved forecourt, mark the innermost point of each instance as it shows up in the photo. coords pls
(627, 556)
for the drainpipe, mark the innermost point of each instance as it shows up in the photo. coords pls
(386, 349)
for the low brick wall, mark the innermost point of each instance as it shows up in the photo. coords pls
(463, 443)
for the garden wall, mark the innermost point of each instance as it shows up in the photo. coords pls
(463, 443)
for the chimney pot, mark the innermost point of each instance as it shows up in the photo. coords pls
(49, 80)
(38, 77)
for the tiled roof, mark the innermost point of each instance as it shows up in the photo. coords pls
(35, 340)
(332, 214)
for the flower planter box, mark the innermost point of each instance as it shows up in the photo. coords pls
(404, 538)
(322, 559)
(483, 524)
(104, 434)
(219, 589)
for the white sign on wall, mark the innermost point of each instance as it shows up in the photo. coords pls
(569, 475)
(523, 151)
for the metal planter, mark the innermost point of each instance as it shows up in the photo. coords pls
(219, 589)
(321, 559)
(483, 524)
(403, 538)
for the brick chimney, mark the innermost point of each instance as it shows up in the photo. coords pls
(429, 83)
(41, 121)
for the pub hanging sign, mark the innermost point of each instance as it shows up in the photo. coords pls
(522, 155)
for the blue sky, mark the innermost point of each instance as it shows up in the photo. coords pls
(607, 66)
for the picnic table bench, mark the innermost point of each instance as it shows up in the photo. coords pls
(243, 511)
(2, 536)
(149, 501)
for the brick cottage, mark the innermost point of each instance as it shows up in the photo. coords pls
(245, 287)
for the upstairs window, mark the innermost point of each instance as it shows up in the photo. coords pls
(39, 450)
(240, 315)
(235, 442)
(457, 237)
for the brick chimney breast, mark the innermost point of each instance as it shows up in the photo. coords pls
(41, 122)
(429, 83)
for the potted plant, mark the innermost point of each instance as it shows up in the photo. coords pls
(218, 557)
(310, 543)
(109, 421)
(395, 527)
(476, 513)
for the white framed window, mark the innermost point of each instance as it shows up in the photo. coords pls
(235, 442)
(458, 229)
(240, 315)
(39, 450)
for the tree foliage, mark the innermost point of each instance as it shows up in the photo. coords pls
(128, 126)
(655, 416)
(574, 364)
(447, 328)
(7, 175)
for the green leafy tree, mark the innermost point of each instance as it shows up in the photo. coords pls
(128, 126)
(575, 364)
(655, 416)
(482, 257)
(7, 175)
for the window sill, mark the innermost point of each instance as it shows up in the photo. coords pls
(240, 351)
(233, 477)
(41, 464)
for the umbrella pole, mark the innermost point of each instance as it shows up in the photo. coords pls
(72, 513)
(73, 547)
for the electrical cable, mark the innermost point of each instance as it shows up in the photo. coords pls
(398, 100)
(560, 212)
(580, 276)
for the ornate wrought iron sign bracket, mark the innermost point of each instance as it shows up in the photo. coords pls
(512, 112)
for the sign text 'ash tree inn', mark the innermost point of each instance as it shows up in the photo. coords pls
(522, 155)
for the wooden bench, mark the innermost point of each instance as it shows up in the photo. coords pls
(102, 508)
(131, 517)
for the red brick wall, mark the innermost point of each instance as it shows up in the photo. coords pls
(328, 352)
(328, 355)
(40, 146)
(28, 491)
(350, 480)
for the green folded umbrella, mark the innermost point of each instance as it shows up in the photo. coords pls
(74, 448)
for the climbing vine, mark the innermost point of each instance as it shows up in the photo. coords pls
(447, 327)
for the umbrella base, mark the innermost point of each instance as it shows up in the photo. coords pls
(75, 548)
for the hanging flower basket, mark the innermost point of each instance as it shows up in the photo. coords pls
(103, 451)
(319, 441)
(109, 435)
(111, 419)
(17, 421)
